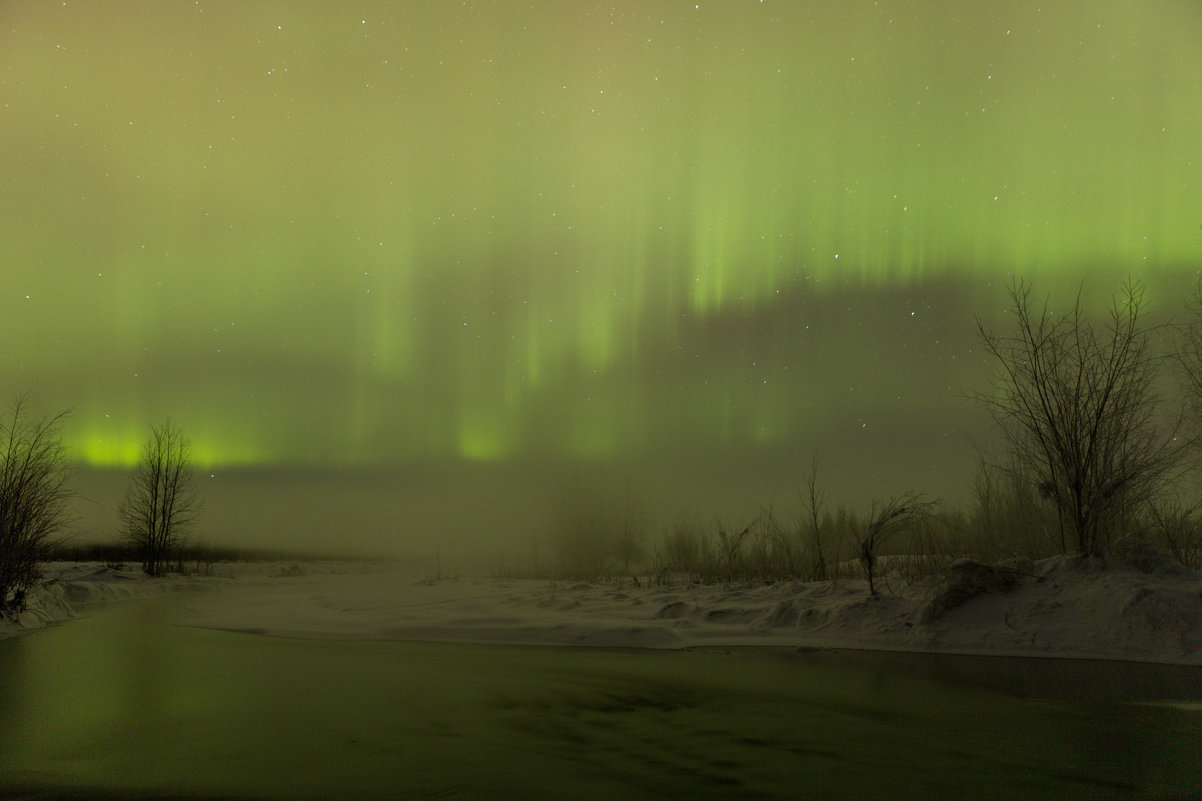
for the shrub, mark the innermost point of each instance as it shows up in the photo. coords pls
(33, 500)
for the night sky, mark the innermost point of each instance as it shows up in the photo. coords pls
(403, 271)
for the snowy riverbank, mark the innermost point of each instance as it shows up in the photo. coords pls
(1140, 606)
(67, 588)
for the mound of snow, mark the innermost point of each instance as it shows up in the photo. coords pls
(1137, 605)
(967, 579)
(1135, 553)
(1056, 607)
(67, 587)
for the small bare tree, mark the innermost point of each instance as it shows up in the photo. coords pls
(628, 539)
(1189, 356)
(1078, 411)
(884, 520)
(813, 499)
(160, 501)
(33, 499)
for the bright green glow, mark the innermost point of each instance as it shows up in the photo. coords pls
(481, 442)
(110, 452)
(114, 450)
(488, 230)
(107, 443)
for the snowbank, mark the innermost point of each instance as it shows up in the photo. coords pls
(67, 587)
(1057, 607)
(1140, 606)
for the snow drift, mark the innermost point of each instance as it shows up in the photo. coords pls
(1138, 605)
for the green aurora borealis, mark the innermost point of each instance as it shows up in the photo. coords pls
(374, 236)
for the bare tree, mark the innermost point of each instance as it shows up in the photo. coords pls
(33, 499)
(730, 544)
(160, 501)
(1079, 414)
(813, 500)
(884, 520)
(1189, 355)
(628, 541)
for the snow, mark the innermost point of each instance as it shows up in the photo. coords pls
(1138, 606)
(67, 588)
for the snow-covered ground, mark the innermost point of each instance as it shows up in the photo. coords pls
(67, 588)
(1141, 606)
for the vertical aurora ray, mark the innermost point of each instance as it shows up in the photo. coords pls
(314, 234)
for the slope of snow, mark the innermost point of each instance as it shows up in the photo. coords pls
(1057, 607)
(1139, 607)
(68, 587)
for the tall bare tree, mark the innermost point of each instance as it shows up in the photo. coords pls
(33, 499)
(1078, 410)
(160, 501)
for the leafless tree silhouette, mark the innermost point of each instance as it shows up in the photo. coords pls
(1189, 355)
(813, 499)
(1079, 413)
(160, 501)
(33, 499)
(885, 519)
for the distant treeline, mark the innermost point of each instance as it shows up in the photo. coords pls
(121, 553)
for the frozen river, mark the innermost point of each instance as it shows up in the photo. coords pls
(127, 703)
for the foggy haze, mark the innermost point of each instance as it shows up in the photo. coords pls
(411, 275)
